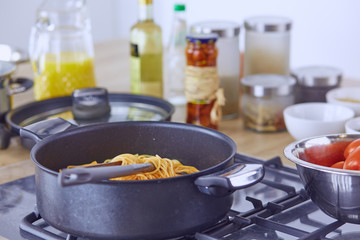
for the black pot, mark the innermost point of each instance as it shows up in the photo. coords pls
(150, 209)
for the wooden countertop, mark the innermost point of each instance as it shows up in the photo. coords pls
(112, 72)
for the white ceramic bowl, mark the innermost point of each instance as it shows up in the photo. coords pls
(345, 96)
(352, 126)
(311, 119)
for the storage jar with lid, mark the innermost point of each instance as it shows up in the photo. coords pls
(267, 45)
(203, 96)
(228, 61)
(264, 97)
(313, 82)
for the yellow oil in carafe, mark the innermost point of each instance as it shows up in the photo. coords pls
(60, 74)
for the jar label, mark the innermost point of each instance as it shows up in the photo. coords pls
(201, 86)
(201, 83)
(134, 51)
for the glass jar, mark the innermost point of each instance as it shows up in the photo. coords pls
(228, 61)
(313, 82)
(61, 49)
(264, 98)
(204, 99)
(267, 45)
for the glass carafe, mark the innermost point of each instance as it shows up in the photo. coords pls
(61, 49)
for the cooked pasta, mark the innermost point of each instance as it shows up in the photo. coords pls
(164, 167)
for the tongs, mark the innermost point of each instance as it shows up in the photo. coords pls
(98, 172)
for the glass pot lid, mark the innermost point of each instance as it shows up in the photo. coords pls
(122, 107)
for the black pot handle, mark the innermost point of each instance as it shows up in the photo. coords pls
(235, 177)
(23, 85)
(40, 130)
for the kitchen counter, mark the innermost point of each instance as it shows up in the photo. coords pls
(112, 72)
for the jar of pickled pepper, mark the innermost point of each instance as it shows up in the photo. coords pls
(204, 98)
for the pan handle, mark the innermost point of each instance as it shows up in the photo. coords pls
(40, 130)
(20, 85)
(233, 178)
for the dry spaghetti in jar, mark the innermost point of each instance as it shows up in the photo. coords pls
(204, 98)
(264, 97)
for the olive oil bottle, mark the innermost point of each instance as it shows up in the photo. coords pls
(146, 53)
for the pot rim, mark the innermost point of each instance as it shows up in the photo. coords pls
(291, 148)
(78, 130)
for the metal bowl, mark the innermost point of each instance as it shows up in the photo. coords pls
(335, 191)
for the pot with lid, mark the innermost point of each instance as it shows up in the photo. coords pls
(8, 87)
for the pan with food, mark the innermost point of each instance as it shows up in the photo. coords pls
(136, 209)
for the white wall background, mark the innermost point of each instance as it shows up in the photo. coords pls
(324, 32)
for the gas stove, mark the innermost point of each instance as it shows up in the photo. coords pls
(275, 208)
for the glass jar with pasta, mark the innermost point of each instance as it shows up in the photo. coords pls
(204, 98)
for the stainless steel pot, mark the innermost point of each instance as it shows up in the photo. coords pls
(8, 87)
(334, 191)
(149, 209)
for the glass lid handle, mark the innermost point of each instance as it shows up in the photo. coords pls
(90, 103)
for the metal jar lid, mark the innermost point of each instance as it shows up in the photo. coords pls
(223, 29)
(268, 24)
(317, 76)
(263, 85)
(201, 37)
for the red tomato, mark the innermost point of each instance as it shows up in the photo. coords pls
(326, 155)
(338, 165)
(352, 162)
(351, 147)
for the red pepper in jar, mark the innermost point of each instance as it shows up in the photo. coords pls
(201, 81)
(201, 51)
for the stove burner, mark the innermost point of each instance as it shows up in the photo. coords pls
(30, 229)
(275, 208)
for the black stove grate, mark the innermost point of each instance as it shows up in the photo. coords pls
(272, 205)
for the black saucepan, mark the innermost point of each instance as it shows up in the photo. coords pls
(150, 209)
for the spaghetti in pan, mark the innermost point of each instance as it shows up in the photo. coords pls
(164, 167)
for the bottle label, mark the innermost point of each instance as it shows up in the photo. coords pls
(145, 72)
(134, 51)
